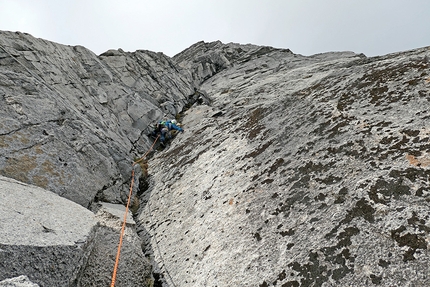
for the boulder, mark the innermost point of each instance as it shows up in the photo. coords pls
(44, 236)
(53, 241)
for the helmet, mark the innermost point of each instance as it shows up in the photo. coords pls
(173, 122)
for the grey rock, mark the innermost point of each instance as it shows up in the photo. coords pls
(292, 170)
(117, 211)
(56, 242)
(134, 268)
(315, 172)
(70, 119)
(44, 236)
(20, 281)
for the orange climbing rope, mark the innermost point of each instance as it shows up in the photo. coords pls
(115, 268)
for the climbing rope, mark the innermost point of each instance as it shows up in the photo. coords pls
(150, 218)
(115, 269)
(118, 253)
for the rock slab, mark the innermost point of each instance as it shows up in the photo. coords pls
(305, 171)
(298, 171)
(45, 237)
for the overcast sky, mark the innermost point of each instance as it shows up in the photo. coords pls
(372, 27)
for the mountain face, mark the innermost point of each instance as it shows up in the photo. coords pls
(71, 120)
(304, 171)
(292, 171)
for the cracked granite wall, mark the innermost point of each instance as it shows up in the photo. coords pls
(72, 122)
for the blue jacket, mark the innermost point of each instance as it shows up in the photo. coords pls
(172, 126)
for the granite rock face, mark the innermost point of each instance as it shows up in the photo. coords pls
(304, 171)
(292, 170)
(73, 121)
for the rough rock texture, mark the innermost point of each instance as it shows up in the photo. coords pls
(305, 171)
(73, 121)
(298, 171)
(134, 269)
(56, 242)
(20, 281)
(44, 236)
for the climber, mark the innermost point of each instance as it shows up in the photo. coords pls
(165, 131)
(164, 128)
